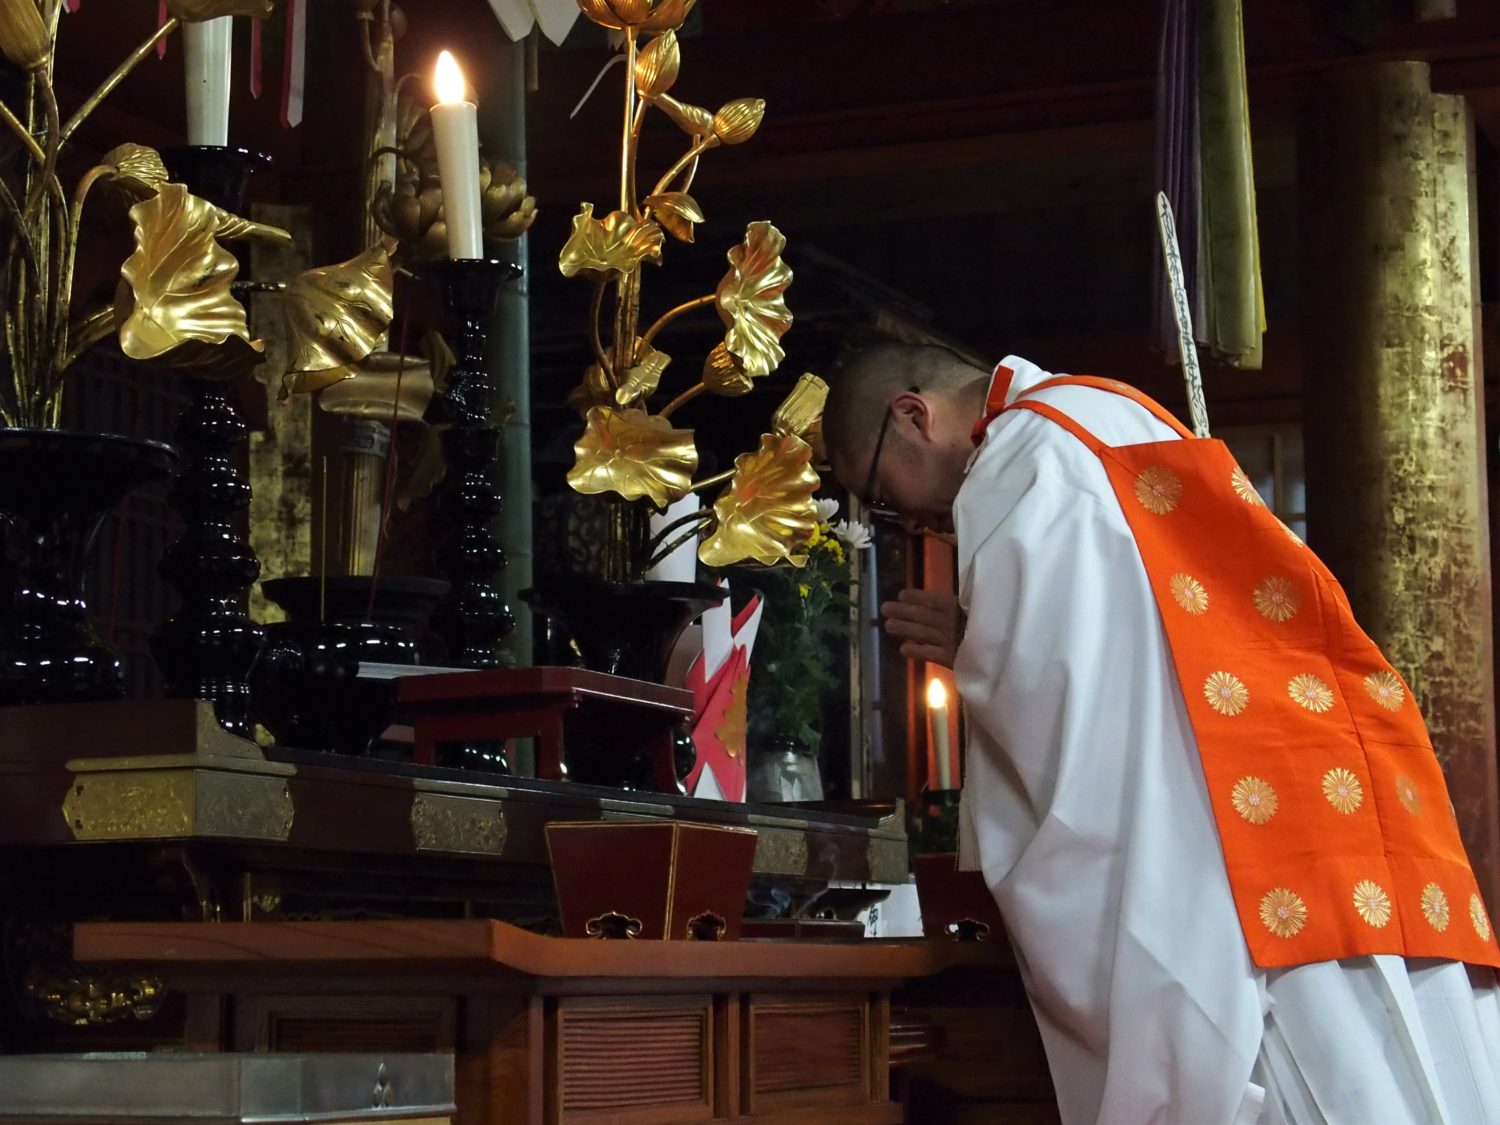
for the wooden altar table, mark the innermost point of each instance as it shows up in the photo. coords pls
(549, 1031)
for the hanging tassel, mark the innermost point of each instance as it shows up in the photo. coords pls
(257, 58)
(294, 67)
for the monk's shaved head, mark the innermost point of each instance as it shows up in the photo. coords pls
(865, 382)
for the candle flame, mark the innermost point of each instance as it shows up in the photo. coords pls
(937, 694)
(449, 80)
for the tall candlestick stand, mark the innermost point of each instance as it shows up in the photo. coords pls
(206, 650)
(474, 618)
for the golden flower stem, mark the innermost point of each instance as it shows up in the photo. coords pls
(634, 150)
(687, 177)
(683, 399)
(700, 146)
(595, 309)
(627, 150)
(709, 482)
(22, 133)
(69, 258)
(87, 332)
(627, 316)
(121, 72)
(691, 533)
(692, 517)
(670, 315)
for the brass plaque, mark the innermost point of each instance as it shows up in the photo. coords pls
(244, 805)
(132, 806)
(443, 823)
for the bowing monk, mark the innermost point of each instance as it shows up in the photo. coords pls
(1205, 802)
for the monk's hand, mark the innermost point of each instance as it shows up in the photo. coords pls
(927, 623)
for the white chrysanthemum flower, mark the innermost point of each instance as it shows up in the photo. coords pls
(855, 536)
(827, 509)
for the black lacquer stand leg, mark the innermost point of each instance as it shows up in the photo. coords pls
(209, 646)
(474, 618)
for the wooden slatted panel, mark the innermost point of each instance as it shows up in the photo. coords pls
(809, 1049)
(620, 1058)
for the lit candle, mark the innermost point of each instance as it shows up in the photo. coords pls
(205, 54)
(455, 128)
(937, 711)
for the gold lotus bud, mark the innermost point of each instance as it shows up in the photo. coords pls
(677, 212)
(657, 65)
(766, 513)
(641, 15)
(336, 315)
(723, 373)
(506, 211)
(751, 300)
(634, 454)
(802, 408)
(737, 121)
(644, 376)
(196, 11)
(595, 390)
(23, 34)
(614, 247)
(693, 120)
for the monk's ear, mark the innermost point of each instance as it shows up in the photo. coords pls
(913, 413)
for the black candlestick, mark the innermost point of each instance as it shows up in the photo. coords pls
(474, 618)
(207, 649)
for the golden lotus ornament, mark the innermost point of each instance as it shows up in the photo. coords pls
(612, 247)
(767, 512)
(24, 38)
(802, 410)
(638, 15)
(337, 315)
(635, 455)
(751, 300)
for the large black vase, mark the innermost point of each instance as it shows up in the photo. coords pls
(56, 488)
(308, 691)
(623, 628)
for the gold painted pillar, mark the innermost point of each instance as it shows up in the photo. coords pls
(1394, 405)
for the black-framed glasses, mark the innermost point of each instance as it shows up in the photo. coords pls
(874, 506)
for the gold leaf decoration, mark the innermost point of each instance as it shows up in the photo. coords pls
(175, 301)
(737, 121)
(336, 315)
(693, 120)
(723, 374)
(380, 387)
(801, 409)
(766, 513)
(595, 390)
(196, 11)
(611, 248)
(677, 211)
(23, 34)
(642, 379)
(135, 171)
(751, 300)
(641, 15)
(657, 65)
(634, 454)
(505, 210)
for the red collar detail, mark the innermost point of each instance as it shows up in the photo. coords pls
(995, 401)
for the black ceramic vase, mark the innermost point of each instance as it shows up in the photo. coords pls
(56, 489)
(307, 690)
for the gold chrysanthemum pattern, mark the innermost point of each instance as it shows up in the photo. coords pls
(1283, 912)
(1480, 919)
(1189, 593)
(1244, 489)
(1312, 693)
(1372, 903)
(1254, 799)
(1343, 790)
(1386, 689)
(1226, 694)
(1406, 790)
(1158, 489)
(1277, 599)
(1435, 907)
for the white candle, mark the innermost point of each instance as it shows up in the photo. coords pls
(455, 128)
(937, 710)
(205, 54)
(682, 564)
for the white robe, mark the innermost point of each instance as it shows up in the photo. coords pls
(1086, 809)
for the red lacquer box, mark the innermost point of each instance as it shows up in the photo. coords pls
(955, 904)
(682, 882)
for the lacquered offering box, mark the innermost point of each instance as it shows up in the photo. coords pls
(682, 882)
(954, 903)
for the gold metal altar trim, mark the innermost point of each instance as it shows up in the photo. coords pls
(442, 822)
(626, 812)
(177, 797)
(780, 851)
(888, 860)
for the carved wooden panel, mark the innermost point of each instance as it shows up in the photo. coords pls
(647, 1061)
(807, 1051)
